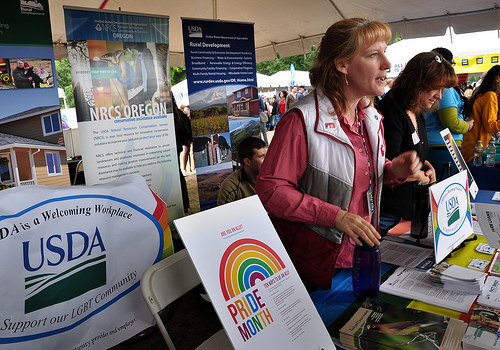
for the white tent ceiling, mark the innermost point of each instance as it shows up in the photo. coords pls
(291, 27)
(469, 44)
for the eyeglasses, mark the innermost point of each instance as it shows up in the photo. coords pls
(453, 63)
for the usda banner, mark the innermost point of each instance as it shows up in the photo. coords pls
(72, 259)
(121, 83)
(223, 97)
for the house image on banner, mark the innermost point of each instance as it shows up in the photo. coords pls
(32, 149)
(210, 150)
(246, 102)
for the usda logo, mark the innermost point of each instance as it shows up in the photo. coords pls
(73, 260)
(82, 255)
(452, 209)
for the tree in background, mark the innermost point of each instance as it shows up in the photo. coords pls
(300, 62)
(279, 64)
(64, 81)
(177, 74)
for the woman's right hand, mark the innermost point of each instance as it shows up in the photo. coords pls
(357, 228)
(420, 176)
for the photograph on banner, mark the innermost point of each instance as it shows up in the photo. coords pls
(121, 84)
(34, 69)
(209, 111)
(117, 79)
(73, 260)
(26, 73)
(212, 156)
(240, 129)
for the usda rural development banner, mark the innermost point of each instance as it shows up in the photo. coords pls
(27, 70)
(72, 258)
(251, 281)
(222, 86)
(121, 77)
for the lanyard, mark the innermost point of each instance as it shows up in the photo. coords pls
(370, 203)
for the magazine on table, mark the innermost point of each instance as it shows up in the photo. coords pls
(406, 255)
(379, 325)
(482, 332)
(417, 285)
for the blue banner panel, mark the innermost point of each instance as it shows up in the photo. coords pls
(222, 86)
(112, 26)
(218, 53)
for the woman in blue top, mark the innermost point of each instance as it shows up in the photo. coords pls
(449, 115)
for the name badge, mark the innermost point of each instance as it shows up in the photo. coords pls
(415, 138)
(369, 201)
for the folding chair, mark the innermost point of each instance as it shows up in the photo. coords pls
(78, 169)
(165, 282)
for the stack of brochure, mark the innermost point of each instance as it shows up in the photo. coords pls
(453, 277)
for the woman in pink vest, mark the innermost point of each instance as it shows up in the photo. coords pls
(323, 173)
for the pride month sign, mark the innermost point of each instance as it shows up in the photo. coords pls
(250, 279)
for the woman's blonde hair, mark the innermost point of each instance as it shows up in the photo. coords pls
(341, 41)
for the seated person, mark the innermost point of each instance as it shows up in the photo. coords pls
(241, 183)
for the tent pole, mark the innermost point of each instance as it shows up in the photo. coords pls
(275, 53)
(450, 26)
(303, 47)
(337, 9)
(214, 5)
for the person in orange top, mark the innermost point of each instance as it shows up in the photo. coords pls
(483, 108)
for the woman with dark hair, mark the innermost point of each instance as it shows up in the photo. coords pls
(417, 89)
(323, 173)
(483, 109)
(451, 115)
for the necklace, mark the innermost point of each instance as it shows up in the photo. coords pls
(370, 201)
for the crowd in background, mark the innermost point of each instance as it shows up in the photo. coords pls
(347, 155)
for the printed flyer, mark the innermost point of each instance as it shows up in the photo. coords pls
(223, 97)
(450, 214)
(251, 281)
(121, 82)
(72, 259)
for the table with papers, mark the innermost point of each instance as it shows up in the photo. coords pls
(337, 305)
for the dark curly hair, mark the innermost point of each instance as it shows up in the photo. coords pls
(424, 72)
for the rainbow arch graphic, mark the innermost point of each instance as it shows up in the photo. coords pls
(243, 263)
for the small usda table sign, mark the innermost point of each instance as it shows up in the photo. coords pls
(250, 279)
(450, 214)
